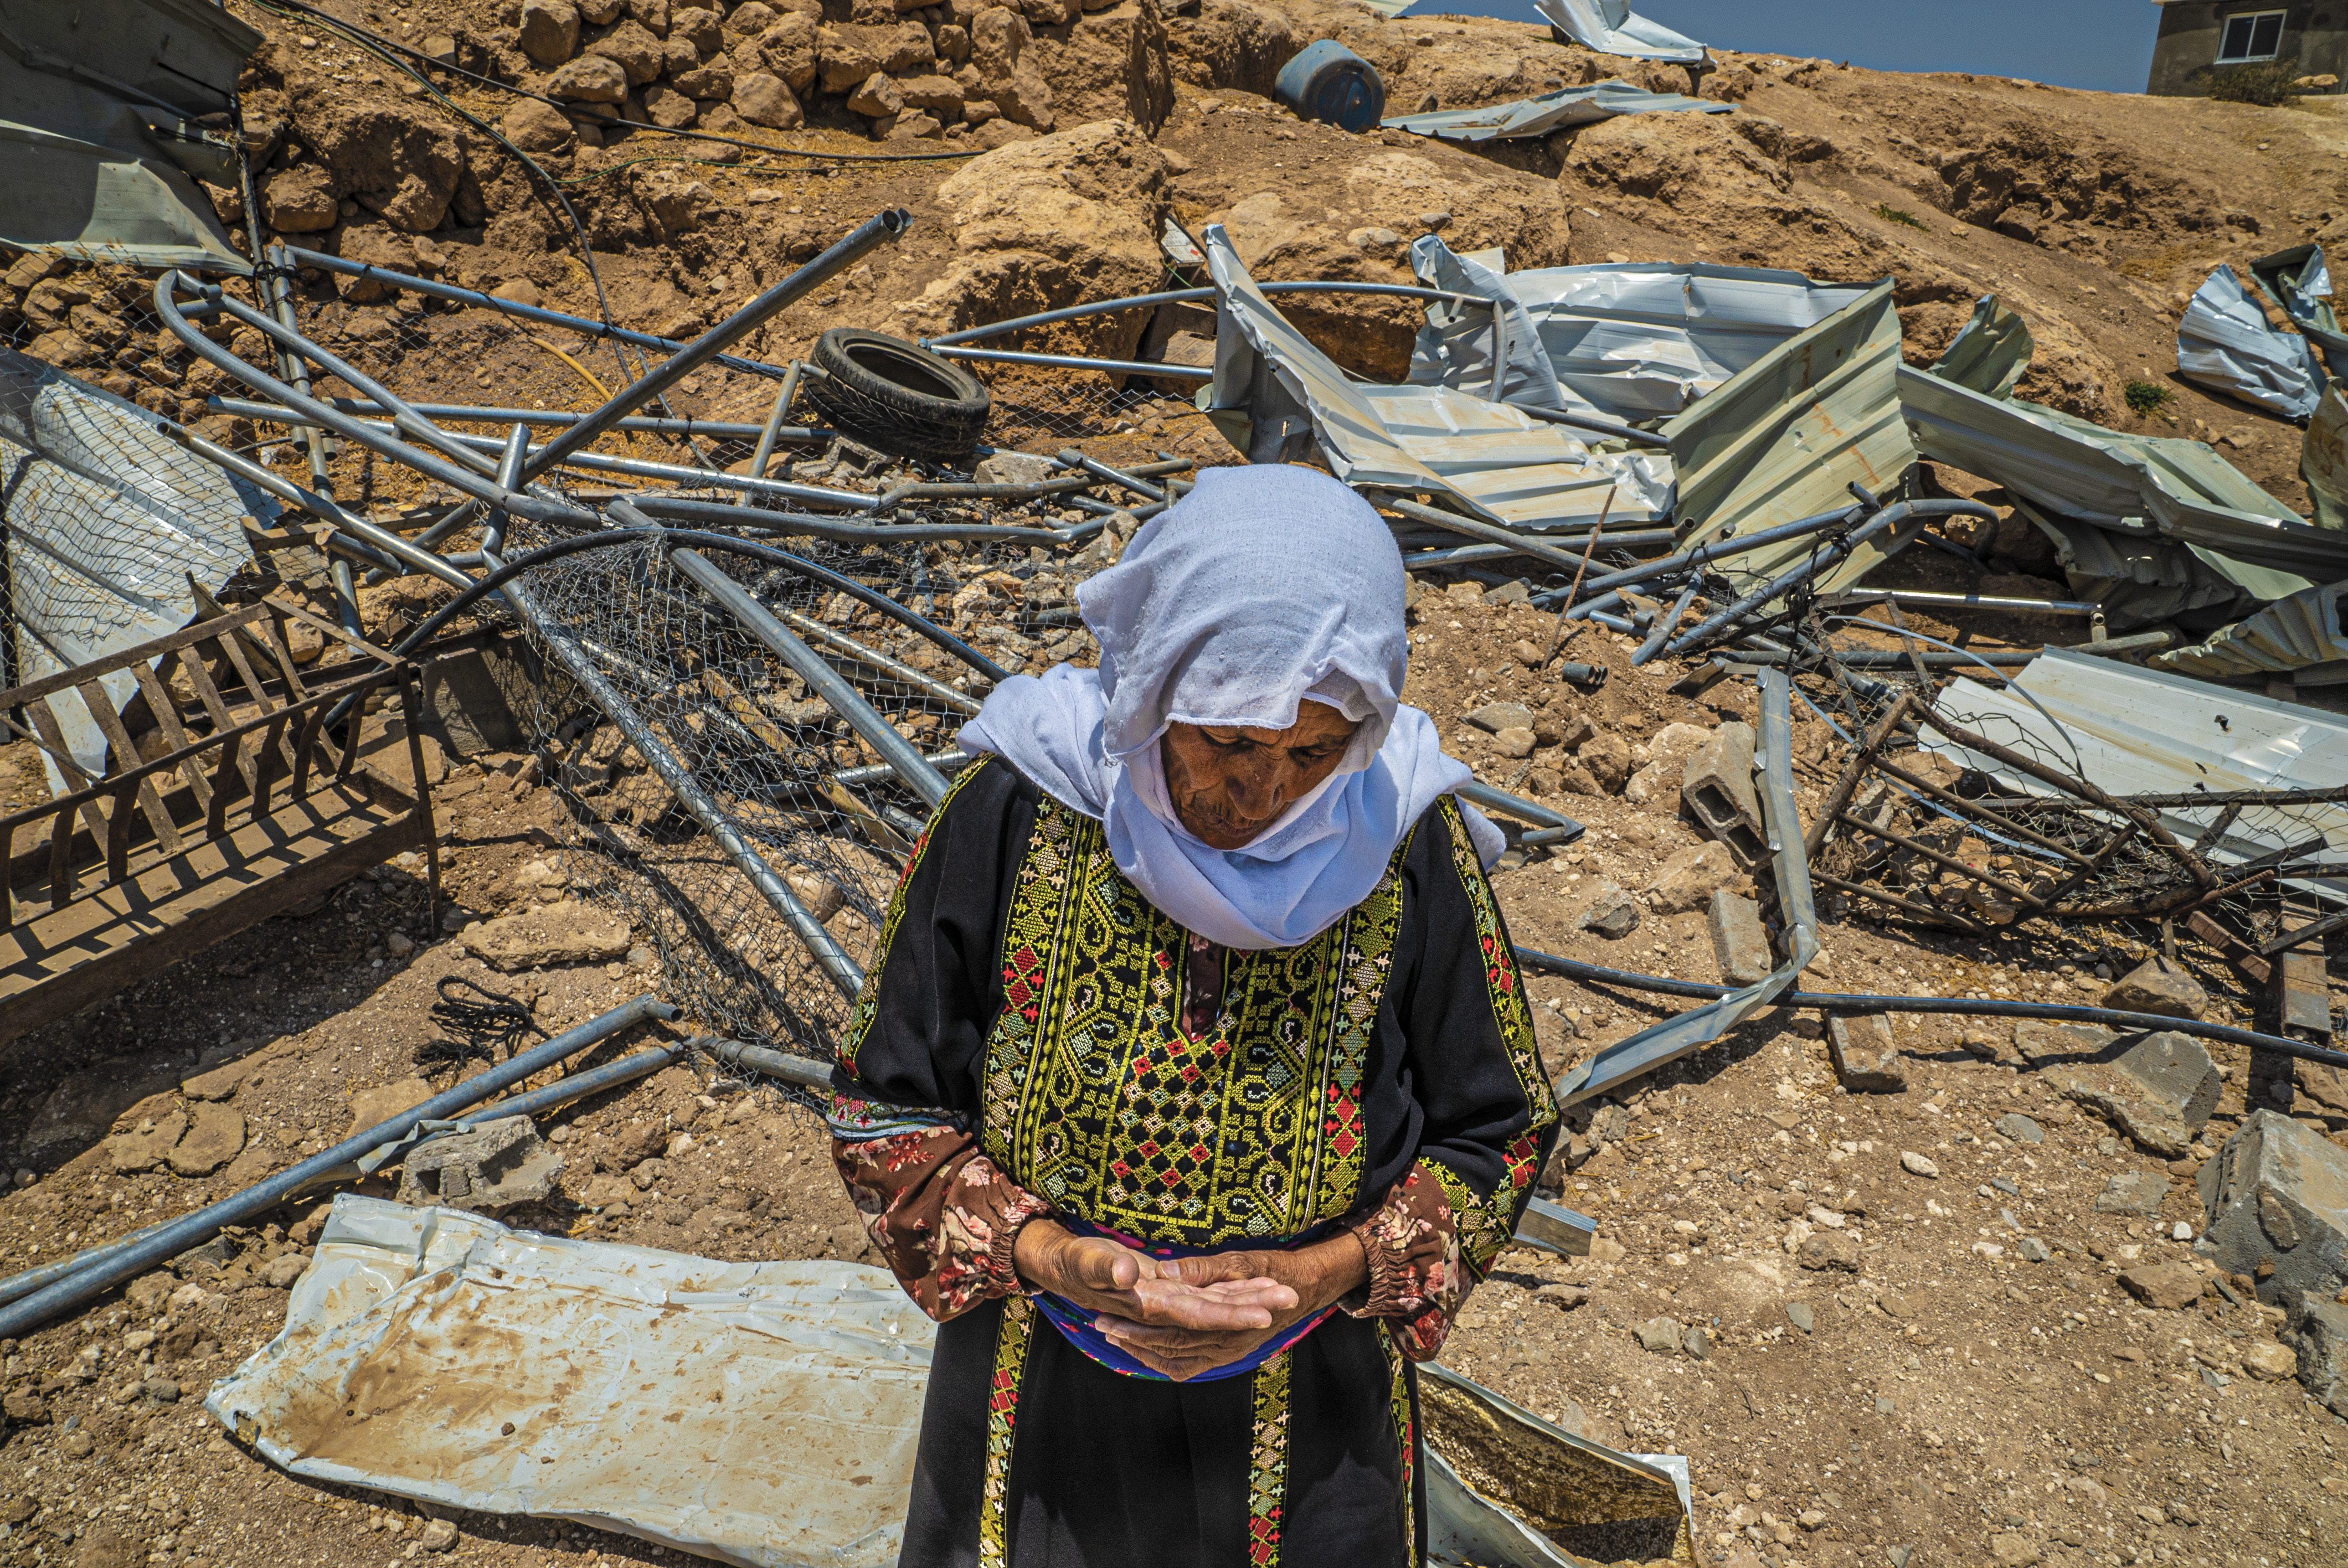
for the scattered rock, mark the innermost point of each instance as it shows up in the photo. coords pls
(1606, 1249)
(24, 1407)
(547, 937)
(1608, 758)
(1612, 913)
(2032, 1250)
(284, 1269)
(1800, 1314)
(1494, 717)
(2009, 1550)
(439, 1535)
(373, 1107)
(2133, 1193)
(2167, 1285)
(1830, 1249)
(76, 1444)
(1564, 1296)
(2155, 986)
(1916, 1164)
(300, 201)
(534, 126)
(1697, 1344)
(2016, 1128)
(214, 1135)
(1660, 1335)
(591, 79)
(2269, 1362)
(550, 31)
(1690, 877)
(144, 1147)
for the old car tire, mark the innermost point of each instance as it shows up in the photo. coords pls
(900, 398)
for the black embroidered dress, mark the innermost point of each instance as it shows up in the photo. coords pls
(1021, 1050)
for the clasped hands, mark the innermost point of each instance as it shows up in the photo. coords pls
(1184, 1316)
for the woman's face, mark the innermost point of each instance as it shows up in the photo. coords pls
(1228, 785)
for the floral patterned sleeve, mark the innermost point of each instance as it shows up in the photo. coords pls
(1412, 1242)
(942, 1216)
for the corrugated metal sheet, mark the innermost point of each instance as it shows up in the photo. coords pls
(1640, 341)
(1550, 112)
(2141, 732)
(1788, 436)
(2323, 459)
(100, 108)
(2150, 485)
(1990, 352)
(1612, 28)
(2140, 578)
(2300, 283)
(2299, 637)
(764, 1414)
(1494, 461)
(2223, 341)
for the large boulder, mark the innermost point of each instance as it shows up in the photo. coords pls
(1049, 222)
(550, 31)
(591, 79)
(764, 99)
(2277, 1193)
(631, 47)
(786, 48)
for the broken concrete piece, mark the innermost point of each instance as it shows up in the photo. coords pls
(2160, 1088)
(214, 1135)
(2278, 1192)
(1660, 1335)
(487, 1169)
(1738, 939)
(2041, 1042)
(1716, 790)
(143, 1149)
(2155, 986)
(1866, 1058)
(2170, 1286)
(1612, 913)
(2318, 1331)
(2133, 1193)
(1651, 783)
(1690, 877)
(1831, 1250)
(547, 937)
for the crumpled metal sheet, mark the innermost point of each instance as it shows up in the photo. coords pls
(1549, 112)
(1612, 28)
(2223, 341)
(2300, 281)
(2323, 458)
(1569, 1501)
(1788, 436)
(107, 520)
(1990, 352)
(1272, 387)
(98, 135)
(2298, 636)
(1700, 1026)
(1453, 348)
(2146, 485)
(764, 1414)
(2144, 731)
(2141, 578)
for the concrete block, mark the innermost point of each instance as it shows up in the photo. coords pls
(492, 1168)
(1737, 938)
(2278, 1192)
(1717, 789)
(2157, 1088)
(1865, 1057)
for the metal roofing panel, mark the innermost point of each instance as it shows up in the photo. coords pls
(1612, 28)
(1548, 112)
(2224, 341)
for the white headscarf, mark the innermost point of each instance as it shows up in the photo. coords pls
(1266, 585)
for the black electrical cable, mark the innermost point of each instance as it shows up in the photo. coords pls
(494, 1024)
(1970, 1007)
(282, 6)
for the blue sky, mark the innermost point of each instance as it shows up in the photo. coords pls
(2100, 44)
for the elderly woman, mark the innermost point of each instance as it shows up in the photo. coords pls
(1195, 1087)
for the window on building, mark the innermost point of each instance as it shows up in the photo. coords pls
(2250, 36)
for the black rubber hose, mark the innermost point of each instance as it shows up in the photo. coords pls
(611, 538)
(1969, 1007)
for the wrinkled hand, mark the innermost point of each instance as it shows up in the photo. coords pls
(1132, 1292)
(1290, 1285)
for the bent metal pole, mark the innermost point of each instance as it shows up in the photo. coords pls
(167, 1242)
(885, 226)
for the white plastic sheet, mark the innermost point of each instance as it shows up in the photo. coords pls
(1612, 28)
(764, 1414)
(2224, 342)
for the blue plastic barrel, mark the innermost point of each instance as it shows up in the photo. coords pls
(1327, 81)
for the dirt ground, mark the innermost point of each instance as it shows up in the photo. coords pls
(1941, 1395)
